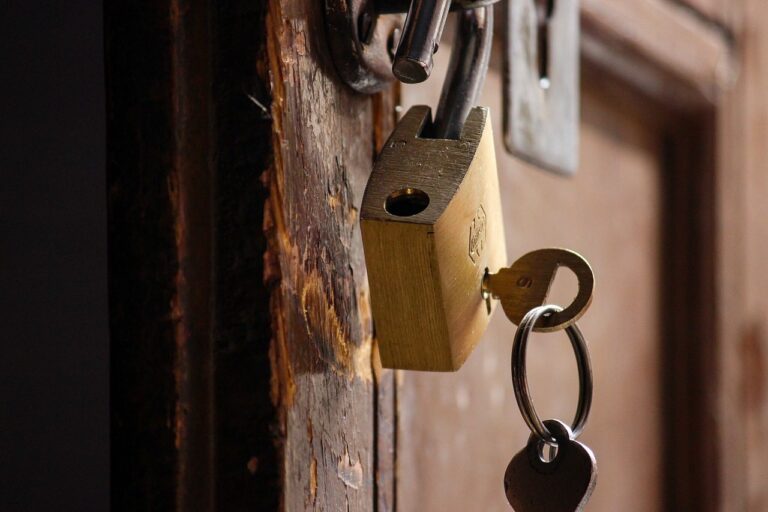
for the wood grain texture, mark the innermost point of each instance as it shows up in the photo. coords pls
(745, 397)
(190, 131)
(323, 384)
(241, 333)
(426, 268)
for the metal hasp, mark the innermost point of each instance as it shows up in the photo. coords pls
(541, 91)
(362, 43)
(371, 44)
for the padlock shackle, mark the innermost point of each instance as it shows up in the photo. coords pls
(466, 71)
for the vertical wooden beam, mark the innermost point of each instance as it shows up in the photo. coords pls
(159, 178)
(324, 137)
(247, 473)
(689, 306)
(753, 343)
(732, 281)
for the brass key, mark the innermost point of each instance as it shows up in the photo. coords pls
(526, 283)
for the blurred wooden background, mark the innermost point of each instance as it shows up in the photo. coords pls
(244, 366)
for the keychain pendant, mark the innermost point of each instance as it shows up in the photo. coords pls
(564, 484)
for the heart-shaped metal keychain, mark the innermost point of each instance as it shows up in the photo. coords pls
(565, 481)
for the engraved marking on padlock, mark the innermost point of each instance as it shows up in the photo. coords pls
(526, 283)
(477, 235)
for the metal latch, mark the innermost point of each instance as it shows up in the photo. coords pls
(372, 43)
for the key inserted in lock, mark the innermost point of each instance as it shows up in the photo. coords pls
(526, 283)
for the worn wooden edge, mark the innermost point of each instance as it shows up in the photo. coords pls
(324, 138)
(631, 40)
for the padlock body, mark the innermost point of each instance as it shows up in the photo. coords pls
(432, 224)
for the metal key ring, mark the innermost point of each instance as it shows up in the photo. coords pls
(520, 380)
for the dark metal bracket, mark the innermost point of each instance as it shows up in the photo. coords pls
(362, 42)
(365, 38)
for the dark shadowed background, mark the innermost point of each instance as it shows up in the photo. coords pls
(54, 428)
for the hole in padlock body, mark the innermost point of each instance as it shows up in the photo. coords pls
(544, 11)
(406, 202)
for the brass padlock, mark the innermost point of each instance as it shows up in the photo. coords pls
(431, 225)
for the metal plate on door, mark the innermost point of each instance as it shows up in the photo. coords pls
(541, 88)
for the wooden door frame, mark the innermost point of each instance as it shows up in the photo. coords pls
(241, 337)
(243, 364)
(696, 82)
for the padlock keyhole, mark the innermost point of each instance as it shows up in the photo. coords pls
(544, 11)
(406, 202)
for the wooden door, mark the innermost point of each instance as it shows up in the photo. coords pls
(457, 432)
(244, 367)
